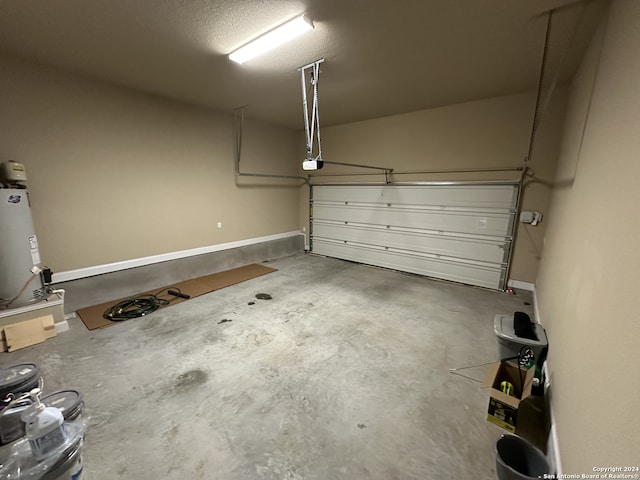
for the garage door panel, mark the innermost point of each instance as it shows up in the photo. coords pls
(473, 196)
(419, 241)
(471, 274)
(448, 221)
(458, 232)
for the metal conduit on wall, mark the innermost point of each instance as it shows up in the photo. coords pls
(480, 259)
(238, 128)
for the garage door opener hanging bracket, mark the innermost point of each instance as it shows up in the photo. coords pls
(313, 160)
(311, 117)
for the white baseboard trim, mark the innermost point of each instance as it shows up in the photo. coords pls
(61, 326)
(44, 304)
(140, 262)
(536, 310)
(553, 445)
(553, 449)
(553, 452)
(521, 285)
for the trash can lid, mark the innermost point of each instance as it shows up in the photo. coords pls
(67, 401)
(503, 328)
(16, 376)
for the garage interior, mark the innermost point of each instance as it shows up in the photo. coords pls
(153, 159)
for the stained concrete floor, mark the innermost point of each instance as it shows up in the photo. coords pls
(344, 374)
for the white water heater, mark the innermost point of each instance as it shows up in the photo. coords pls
(20, 283)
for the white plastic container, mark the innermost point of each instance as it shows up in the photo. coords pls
(45, 428)
(69, 467)
(509, 344)
(65, 462)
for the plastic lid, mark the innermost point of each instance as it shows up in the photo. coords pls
(67, 401)
(16, 376)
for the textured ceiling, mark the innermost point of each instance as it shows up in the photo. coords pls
(382, 56)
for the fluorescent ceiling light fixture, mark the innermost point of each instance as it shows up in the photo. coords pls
(272, 39)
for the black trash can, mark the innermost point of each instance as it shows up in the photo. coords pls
(517, 459)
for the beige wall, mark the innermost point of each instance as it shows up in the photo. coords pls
(116, 175)
(589, 275)
(485, 133)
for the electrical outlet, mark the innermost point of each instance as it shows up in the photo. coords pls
(219, 224)
(537, 218)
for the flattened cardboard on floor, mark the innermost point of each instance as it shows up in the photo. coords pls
(93, 319)
(503, 408)
(28, 332)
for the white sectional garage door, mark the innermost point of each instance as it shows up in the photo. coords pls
(458, 232)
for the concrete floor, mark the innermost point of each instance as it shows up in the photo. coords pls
(344, 374)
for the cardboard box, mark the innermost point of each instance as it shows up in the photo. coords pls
(503, 408)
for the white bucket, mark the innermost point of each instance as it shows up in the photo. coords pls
(69, 467)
